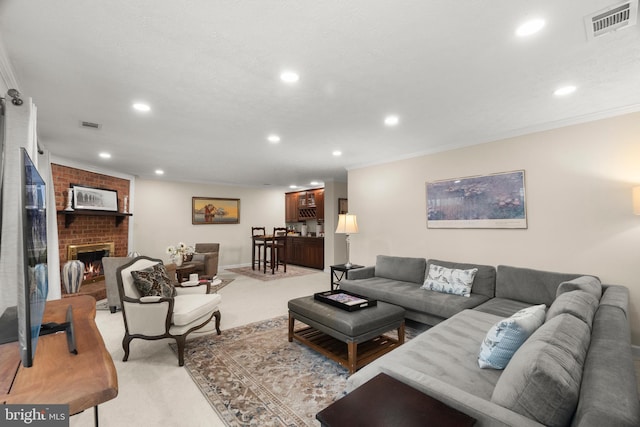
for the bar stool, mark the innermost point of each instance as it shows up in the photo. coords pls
(259, 245)
(278, 249)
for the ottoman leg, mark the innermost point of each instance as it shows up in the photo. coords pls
(401, 333)
(291, 321)
(352, 348)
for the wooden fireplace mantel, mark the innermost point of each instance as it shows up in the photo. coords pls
(70, 216)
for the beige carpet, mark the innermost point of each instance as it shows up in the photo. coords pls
(292, 271)
(252, 375)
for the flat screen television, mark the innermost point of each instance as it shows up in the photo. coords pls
(33, 286)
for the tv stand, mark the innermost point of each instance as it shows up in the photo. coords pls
(67, 327)
(58, 377)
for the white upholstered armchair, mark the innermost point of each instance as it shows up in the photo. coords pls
(157, 317)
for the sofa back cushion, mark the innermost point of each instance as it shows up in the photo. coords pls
(590, 284)
(401, 268)
(484, 283)
(542, 380)
(528, 285)
(580, 304)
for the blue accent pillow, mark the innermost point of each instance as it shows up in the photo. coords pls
(505, 337)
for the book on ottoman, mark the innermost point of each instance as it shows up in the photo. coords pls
(345, 300)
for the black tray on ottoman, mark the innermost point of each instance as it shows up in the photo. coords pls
(345, 300)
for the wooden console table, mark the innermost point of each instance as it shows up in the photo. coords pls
(57, 376)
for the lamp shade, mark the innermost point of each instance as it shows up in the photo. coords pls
(636, 200)
(347, 224)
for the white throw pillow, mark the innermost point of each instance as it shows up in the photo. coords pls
(449, 280)
(505, 337)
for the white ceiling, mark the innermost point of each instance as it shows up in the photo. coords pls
(454, 72)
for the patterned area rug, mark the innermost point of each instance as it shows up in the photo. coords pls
(252, 375)
(104, 304)
(292, 271)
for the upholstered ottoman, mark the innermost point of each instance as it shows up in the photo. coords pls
(351, 338)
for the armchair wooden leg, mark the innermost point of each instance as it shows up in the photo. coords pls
(180, 341)
(217, 315)
(125, 346)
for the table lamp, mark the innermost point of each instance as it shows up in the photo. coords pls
(347, 224)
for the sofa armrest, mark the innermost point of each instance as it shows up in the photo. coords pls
(210, 263)
(362, 273)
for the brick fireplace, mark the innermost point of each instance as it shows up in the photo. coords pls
(88, 230)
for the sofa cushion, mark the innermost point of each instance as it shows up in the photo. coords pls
(542, 381)
(412, 297)
(528, 285)
(502, 307)
(401, 268)
(506, 336)
(579, 304)
(188, 308)
(484, 282)
(588, 284)
(153, 281)
(449, 280)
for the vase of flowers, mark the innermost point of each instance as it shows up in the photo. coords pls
(178, 252)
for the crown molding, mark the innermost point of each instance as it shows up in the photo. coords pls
(7, 76)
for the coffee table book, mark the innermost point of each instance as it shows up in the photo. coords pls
(345, 300)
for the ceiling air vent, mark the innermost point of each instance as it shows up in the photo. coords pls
(90, 125)
(612, 18)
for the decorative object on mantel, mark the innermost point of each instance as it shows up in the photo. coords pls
(486, 201)
(124, 204)
(178, 252)
(97, 199)
(72, 275)
(133, 254)
(69, 199)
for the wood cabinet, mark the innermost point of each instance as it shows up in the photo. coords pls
(305, 251)
(291, 207)
(304, 205)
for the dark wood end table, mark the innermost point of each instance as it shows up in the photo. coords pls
(339, 272)
(384, 401)
(183, 272)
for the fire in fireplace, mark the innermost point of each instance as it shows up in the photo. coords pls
(91, 255)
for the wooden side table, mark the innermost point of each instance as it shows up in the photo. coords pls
(183, 272)
(384, 401)
(339, 272)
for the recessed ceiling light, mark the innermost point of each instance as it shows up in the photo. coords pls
(159, 172)
(314, 183)
(289, 76)
(293, 186)
(530, 27)
(105, 155)
(140, 106)
(565, 90)
(391, 120)
(274, 139)
(337, 153)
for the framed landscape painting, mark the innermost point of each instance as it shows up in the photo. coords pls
(487, 201)
(213, 210)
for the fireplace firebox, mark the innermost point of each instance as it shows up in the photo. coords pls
(91, 255)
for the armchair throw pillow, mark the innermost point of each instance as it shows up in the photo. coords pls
(505, 337)
(154, 281)
(449, 280)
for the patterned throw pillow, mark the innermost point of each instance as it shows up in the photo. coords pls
(505, 337)
(154, 281)
(449, 281)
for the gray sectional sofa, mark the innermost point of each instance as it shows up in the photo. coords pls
(576, 369)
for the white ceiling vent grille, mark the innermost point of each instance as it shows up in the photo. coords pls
(612, 18)
(90, 125)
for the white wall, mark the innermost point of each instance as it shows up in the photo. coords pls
(578, 190)
(162, 217)
(334, 244)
